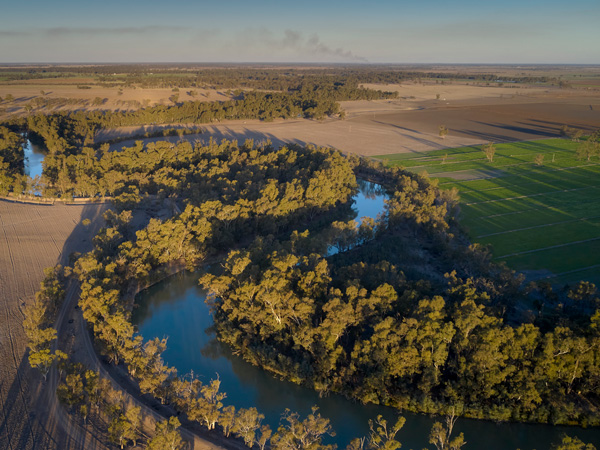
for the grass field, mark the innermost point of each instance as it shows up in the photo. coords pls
(543, 220)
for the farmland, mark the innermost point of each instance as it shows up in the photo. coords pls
(534, 203)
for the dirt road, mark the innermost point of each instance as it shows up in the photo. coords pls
(32, 237)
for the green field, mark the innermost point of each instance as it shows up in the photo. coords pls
(543, 219)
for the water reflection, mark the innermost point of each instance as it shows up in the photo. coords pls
(34, 159)
(369, 201)
(176, 308)
(370, 190)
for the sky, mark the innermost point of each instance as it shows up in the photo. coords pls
(278, 31)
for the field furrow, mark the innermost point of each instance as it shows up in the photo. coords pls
(536, 205)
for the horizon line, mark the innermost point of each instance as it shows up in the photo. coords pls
(322, 63)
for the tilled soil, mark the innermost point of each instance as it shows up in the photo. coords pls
(398, 126)
(32, 237)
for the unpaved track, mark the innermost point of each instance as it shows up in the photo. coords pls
(32, 237)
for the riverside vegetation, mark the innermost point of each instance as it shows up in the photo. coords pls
(406, 313)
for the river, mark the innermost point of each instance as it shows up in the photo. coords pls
(176, 309)
(34, 158)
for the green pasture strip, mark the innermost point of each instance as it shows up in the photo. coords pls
(473, 157)
(545, 146)
(572, 202)
(516, 195)
(591, 274)
(540, 237)
(521, 175)
(529, 182)
(504, 165)
(530, 219)
(535, 217)
(558, 260)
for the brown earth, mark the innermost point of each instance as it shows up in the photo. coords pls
(131, 98)
(32, 237)
(473, 115)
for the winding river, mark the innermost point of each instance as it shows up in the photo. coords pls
(175, 309)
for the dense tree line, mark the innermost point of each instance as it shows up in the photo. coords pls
(342, 323)
(275, 188)
(39, 321)
(250, 76)
(451, 334)
(11, 159)
(373, 321)
(277, 185)
(70, 137)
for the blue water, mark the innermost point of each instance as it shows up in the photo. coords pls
(175, 309)
(34, 159)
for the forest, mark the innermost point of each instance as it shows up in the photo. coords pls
(406, 313)
(76, 164)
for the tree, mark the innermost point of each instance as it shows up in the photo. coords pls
(43, 360)
(71, 391)
(489, 150)
(382, 437)
(538, 159)
(573, 443)
(247, 422)
(166, 436)
(441, 436)
(207, 406)
(227, 419)
(265, 435)
(119, 428)
(443, 131)
(301, 434)
(587, 149)
(39, 337)
(134, 417)
(84, 411)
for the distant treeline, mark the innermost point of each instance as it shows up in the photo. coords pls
(267, 77)
(70, 136)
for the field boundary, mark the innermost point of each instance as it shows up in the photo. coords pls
(531, 195)
(547, 248)
(537, 226)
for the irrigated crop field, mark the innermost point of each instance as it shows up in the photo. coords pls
(536, 204)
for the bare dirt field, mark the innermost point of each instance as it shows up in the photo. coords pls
(473, 115)
(65, 91)
(32, 237)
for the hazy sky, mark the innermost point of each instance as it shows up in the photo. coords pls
(420, 31)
